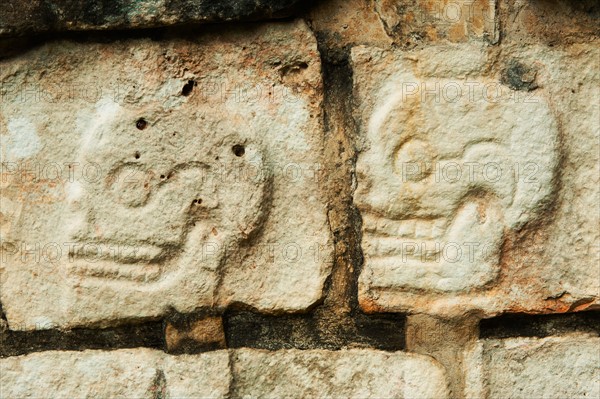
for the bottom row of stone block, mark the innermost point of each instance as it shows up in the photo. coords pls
(552, 367)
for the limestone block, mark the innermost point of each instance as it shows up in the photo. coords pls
(244, 373)
(127, 373)
(460, 178)
(553, 367)
(141, 176)
(355, 373)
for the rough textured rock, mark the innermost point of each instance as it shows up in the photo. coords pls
(460, 178)
(313, 196)
(142, 373)
(554, 367)
(554, 23)
(425, 20)
(18, 17)
(324, 374)
(179, 174)
(132, 373)
(346, 23)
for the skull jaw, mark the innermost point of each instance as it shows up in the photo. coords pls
(434, 276)
(465, 258)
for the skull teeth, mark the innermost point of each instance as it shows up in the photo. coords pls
(116, 253)
(419, 239)
(116, 262)
(425, 229)
(115, 271)
(382, 246)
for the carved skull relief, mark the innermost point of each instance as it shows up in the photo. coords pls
(152, 213)
(443, 178)
(176, 175)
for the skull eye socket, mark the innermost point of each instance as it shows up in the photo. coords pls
(413, 160)
(130, 185)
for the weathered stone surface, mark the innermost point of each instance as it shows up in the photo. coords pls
(432, 20)
(19, 17)
(554, 23)
(555, 367)
(345, 23)
(142, 176)
(130, 373)
(143, 373)
(461, 183)
(180, 185)
(354, 373)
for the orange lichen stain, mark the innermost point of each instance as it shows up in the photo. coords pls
(560, 304)
(479, 13)
(40, 191)
(457, 32)
(431, 33)
(432, 5)
(106, 52)
(530, 21)
(481, 212)
(369, 306)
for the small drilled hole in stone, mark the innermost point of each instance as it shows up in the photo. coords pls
(197, 201)
(137, 155)
(162, 176)
(238, 150)
(188, 87)
(141, 124)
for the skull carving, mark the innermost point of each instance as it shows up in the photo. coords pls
(442, 180)
(163, 200)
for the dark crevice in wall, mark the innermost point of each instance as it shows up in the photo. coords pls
(50, 16)
(254, 330)
(242, 329)
(13, 46)
(524, 325)
(148, 335)
(302, 331)
(343, 218)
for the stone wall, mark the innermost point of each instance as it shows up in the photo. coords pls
(290, 198)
